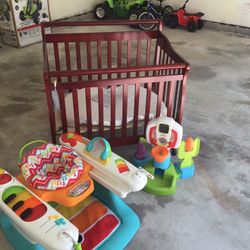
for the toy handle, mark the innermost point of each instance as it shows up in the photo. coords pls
(76, 245)
(184, 6)
(27, 145)
(107, 150)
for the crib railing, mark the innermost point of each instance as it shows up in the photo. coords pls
(107, 60)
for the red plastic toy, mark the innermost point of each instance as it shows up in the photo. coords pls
(181, 17)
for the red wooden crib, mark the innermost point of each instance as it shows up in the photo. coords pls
(110, 83)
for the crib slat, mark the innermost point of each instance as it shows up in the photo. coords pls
(62, 108)
(100, 108)
(164, 92)
(57, 59)
(99, 57)
(78, 59)
(162, 62)
(89, 59)
(148, 51)
(76, 110)
(88, 112)
(165, 63)
(170, 95)
(182, 94)
(112, 111)
(68, 61)
(109, 57)
(119, 56)
(157, 55)
(179, 102)
(159, 98)
(136, 109)
(160, 57)
(148, 103)
(50, 108)
(124, 110)
(128, 55)
(176, 96)
(138, 56)
(148, 55)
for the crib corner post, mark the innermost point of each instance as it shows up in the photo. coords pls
(160, 25)
(183, 95)
(50, 107)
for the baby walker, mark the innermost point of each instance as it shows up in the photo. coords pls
(165, 134)
(55, 204)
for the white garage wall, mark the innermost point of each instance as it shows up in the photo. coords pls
(64, 8)
(235, 12)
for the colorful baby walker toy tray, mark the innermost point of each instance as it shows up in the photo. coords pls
(54, 204)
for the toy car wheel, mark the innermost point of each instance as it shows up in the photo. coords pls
(135, 7)
(44, 15)
(22, 16)
(36, 18)
(146, 16)
(7, 15)
(39, 7)
(191, 26)
(171, 21)
(132, 16)
(167, 10)
(102, 11)
(200, 24)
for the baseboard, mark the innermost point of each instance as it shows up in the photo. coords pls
(227, 28)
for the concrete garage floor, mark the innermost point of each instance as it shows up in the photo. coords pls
(209, 211)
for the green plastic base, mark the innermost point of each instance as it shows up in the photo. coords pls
(162, 185)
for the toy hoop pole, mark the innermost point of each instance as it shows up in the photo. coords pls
(26, 145)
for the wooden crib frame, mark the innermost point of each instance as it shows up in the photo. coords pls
(143, 59)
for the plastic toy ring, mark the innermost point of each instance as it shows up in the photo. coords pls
(160, 153)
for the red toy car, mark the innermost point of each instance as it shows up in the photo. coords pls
(181, 17)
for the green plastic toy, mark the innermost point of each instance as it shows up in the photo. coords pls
(77, 246)
(187, 151)
(164, 134)
(162, 185)
(120, 8)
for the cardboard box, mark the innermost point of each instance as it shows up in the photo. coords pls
(20, 21)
